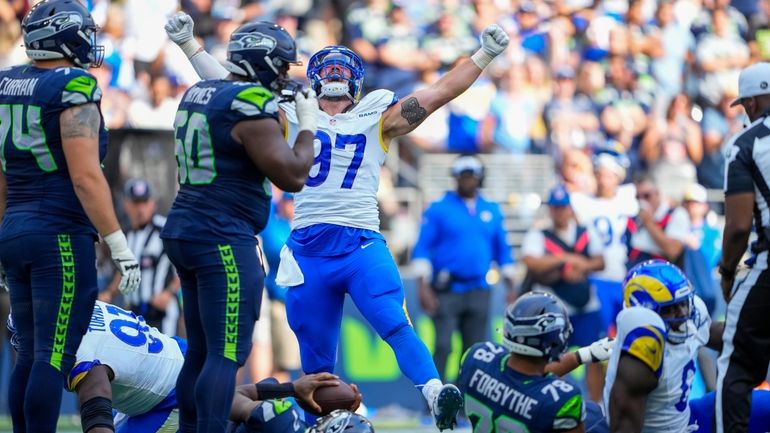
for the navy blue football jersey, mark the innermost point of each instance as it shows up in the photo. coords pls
(271, 416)
(222, 194)
(501, 400)
(41, 198)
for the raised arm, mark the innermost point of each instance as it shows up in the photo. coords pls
(403, 118)
(179, 29)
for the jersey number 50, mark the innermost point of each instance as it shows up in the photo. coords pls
(194, 151)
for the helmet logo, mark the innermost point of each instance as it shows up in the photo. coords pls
(248, 41)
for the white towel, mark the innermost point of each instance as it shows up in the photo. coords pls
(289, 274)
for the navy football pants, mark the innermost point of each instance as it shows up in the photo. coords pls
(52, 279)
(221, 295)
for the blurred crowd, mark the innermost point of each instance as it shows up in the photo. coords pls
(652, 77)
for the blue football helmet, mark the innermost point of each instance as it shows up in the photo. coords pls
(262, 51)
(342, 421)
(336, 71)
(658, 285)
(62, 29)
(537, 325)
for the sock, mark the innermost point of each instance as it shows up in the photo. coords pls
(185, 390)
(42, 400)
(16, 390)
(413, 357)
(430, 390)
(214, 393)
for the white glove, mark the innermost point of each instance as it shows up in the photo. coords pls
(125, 261)
(179, 29)
(599, 350)
(494, 40)
(307, 110)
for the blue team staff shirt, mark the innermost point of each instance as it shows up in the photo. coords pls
(41, 198)
(463, 243)
(223, 196)
(500, 399)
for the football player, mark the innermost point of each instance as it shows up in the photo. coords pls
(506, 386)
(229, 147)
(282, 416)
(134, 368)
(651, 369)
(55, 202)
(335, 247)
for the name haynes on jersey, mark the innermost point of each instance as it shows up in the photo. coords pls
(503, 395)
(18, 86)
(199, 95)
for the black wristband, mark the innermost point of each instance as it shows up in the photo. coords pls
(96, 412)
(726, 273)
(269, 391)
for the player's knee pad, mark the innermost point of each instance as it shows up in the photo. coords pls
(96, 412)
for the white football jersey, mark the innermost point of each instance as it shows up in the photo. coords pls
(342, 186)
(608, 219)
(641, 333)
(145, 362)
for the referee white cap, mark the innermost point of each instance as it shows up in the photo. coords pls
(753, 81)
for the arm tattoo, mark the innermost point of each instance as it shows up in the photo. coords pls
(412, 111)
(81, 121)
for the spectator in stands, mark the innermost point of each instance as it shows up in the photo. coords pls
(720, 55)
(159, 111)
(10, 34)
(533, 38)
(659, 230)
(606, 213)
(448, 41)
(759, 32)
(401, 59)
(145, 37)
(461, 235)
(672, 147)
(367, 25)
(702, 24)
(718, 125)
(577, 173)
(703, 246)
(559, 259)
(512, 113)
(625, 106)
(676, 41)
(156, 298)
(114, 101)
(570, 119)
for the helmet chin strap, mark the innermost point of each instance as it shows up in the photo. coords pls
(334, 89)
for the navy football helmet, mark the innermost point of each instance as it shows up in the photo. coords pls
(262, 51)
(342, 421)
(62, 29)
(537, 325)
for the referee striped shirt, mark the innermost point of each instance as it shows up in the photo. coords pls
(156, 268)
(747, 163)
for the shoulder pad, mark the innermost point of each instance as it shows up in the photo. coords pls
(374, 102)
(254, 100)
(644, 336)
(571, 413)
(77, 86)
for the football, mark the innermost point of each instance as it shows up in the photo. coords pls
(332, 398)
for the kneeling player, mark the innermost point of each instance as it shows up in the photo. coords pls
(124, 364)
(507, 387)
(660, 330)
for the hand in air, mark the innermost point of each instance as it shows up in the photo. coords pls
(494, 40)
(307, 110)
(179, 28)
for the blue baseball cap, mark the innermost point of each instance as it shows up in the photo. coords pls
(559, 196)
(137, 190)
